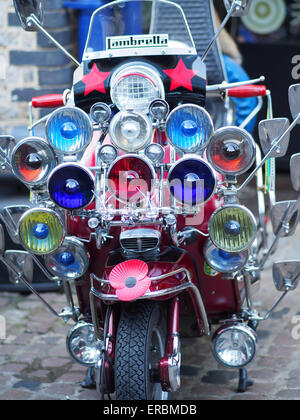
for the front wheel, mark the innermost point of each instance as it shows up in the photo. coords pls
(140, 344)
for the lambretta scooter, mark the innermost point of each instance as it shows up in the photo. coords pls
(134, 200)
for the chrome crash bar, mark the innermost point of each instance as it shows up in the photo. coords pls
(185, 285)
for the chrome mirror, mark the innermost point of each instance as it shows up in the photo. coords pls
(26, 9)
(279, 212)
(11, 216)
(7, 143)
(22, 263)
(294, 101)
(286, 275)
(241, 7)
(270, 131)
(295, 171)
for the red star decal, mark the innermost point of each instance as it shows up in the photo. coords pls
(181, 76)
(94, 80)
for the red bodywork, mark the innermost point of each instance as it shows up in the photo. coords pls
(221, 297)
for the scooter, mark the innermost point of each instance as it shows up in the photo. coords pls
(134, 200)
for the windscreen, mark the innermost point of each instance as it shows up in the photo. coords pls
(136, 28)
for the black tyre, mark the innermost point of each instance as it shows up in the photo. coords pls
(140, 344)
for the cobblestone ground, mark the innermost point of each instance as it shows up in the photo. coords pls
(34, 364)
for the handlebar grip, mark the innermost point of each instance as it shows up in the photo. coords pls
(247, 91)
(48, 101)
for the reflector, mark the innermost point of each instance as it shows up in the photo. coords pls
(192, 181)
(71, 186)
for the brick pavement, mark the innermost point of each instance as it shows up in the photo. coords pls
(34, 364)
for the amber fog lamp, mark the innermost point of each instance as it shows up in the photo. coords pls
(32, 160)
(130, 178)
(232, 228)
(41, 231)
(231, 151)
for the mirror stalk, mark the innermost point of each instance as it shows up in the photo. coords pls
(32, 20)
(275, 145)
(217, 34)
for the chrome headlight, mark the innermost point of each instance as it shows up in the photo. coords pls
(130, 131)
(231, 151)
(69, 130)
(234, 346)
(135, 87)
(82, 344)
(232, 228)
(41, 231)
(32, 160)
(107, 153)
(189, 128)
(70, 261)
(224, 262)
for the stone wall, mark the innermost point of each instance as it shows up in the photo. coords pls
(30, 65)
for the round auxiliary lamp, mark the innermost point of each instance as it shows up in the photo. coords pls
(41, 231)
(232, 228)
(130, 178)
(189, 128)
(231, 151)
(71, 186)
(130, 131)
(32, 160)
(69, 130)
(70, 261)
(192, 181)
